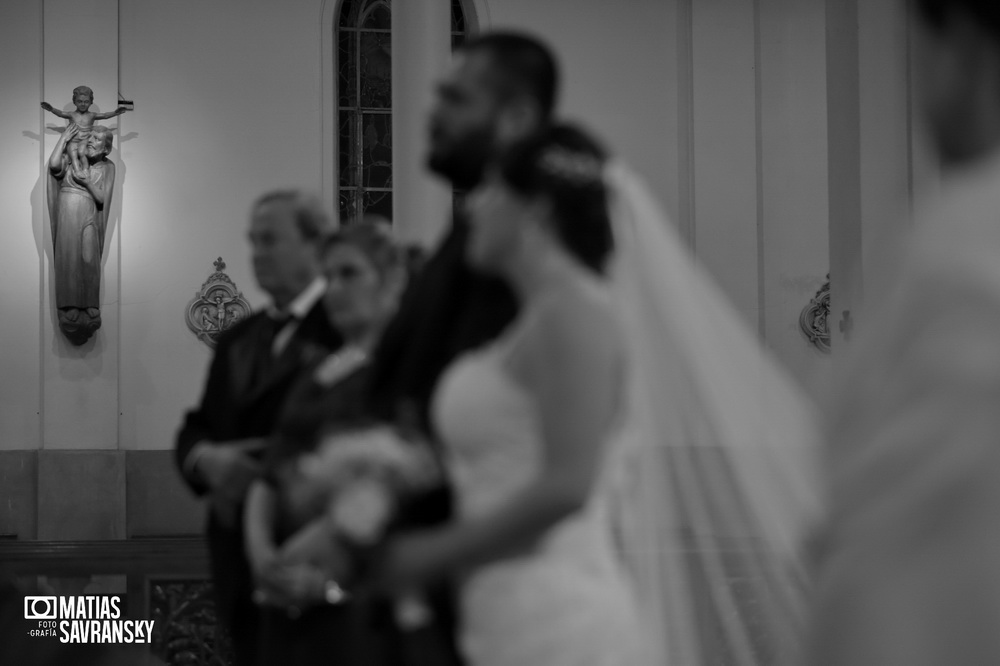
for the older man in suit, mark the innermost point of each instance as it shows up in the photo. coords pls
(256, 362)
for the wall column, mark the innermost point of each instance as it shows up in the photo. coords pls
(421, 202)
(80, 394)
(81, 492)
(22, 252)
(870, 139)
(725, 141)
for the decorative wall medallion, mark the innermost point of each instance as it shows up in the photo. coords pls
(813, 320)
(216, 306)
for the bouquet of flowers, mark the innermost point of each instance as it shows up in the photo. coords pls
(356, 482)
(362, 476)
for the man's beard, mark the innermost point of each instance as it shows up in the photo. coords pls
(464, 161)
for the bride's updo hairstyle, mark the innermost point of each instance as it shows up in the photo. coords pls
(565, 166)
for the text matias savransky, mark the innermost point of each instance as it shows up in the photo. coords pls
(85, 619)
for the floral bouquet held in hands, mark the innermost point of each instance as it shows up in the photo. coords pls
(358, 481)
(368, 473)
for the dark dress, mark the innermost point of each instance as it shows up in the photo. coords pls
(362, 631)
(347, 634)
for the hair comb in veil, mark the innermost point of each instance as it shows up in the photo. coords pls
(576, 167)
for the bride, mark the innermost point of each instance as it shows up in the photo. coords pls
(527, 422)
(634, 478)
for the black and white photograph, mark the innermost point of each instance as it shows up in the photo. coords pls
(500, 333)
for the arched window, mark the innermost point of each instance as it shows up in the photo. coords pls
(364, 104)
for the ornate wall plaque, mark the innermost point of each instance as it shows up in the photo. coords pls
(216, 306)
(813, 320)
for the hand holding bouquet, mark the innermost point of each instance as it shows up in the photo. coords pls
(347, 493)
(369, 472)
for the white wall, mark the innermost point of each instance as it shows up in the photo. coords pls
(793, 177)
(80, 385)
(618, 62)
(227, 100)
(721, 105)
(21, 199)
(879, 162)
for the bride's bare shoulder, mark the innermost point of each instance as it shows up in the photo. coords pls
(578, 310)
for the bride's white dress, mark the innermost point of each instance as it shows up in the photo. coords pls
(563, 601)
(711, 486)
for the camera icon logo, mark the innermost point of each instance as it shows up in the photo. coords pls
(40, 608)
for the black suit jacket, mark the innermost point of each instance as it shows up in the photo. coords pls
(240, 400)
(448, 308)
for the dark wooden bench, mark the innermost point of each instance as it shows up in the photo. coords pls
(166, 580)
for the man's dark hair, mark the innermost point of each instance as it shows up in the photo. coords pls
(937, 12)
(523, 66)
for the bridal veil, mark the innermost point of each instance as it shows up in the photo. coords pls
(716, 488)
